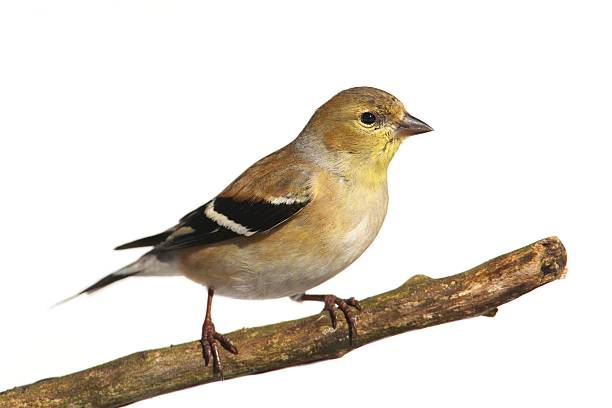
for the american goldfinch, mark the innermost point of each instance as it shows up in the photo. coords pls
(292, 220)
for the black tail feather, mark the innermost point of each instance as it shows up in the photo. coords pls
(105, 281)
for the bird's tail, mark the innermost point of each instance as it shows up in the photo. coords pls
(150, 264)
(125, 272)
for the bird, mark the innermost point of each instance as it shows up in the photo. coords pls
(292, 220)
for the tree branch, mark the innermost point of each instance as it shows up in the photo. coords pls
(420, 302)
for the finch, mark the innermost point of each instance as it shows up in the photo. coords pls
(292, 220)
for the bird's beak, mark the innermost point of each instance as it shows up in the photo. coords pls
(410, 126)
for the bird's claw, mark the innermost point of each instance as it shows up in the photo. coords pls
(210, 348)
(333, 303)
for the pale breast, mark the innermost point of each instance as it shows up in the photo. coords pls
(296, 256)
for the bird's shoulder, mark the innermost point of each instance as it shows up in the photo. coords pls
(278, 177)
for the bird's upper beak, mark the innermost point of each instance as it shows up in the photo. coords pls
(410, 126)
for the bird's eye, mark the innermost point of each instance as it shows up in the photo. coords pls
(368, 118)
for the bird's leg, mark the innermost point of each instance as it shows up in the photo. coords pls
(332, 304)
(210, 338)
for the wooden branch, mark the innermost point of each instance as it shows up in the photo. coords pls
(420, 302)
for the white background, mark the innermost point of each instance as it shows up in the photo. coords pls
(118, 117)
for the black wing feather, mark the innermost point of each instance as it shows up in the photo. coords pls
(147, 241)
(256, 215)
(196, 228)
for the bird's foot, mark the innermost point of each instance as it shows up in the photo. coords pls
(210, 349)
(332, 304)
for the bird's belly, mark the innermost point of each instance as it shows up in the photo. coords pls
(285, 262)
(297, 271)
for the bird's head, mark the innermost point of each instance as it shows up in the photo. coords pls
(362, 126)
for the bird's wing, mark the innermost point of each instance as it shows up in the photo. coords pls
(267, 194)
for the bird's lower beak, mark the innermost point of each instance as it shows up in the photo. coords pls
(410, 126)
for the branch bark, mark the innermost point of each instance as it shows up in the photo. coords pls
(420, 302)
